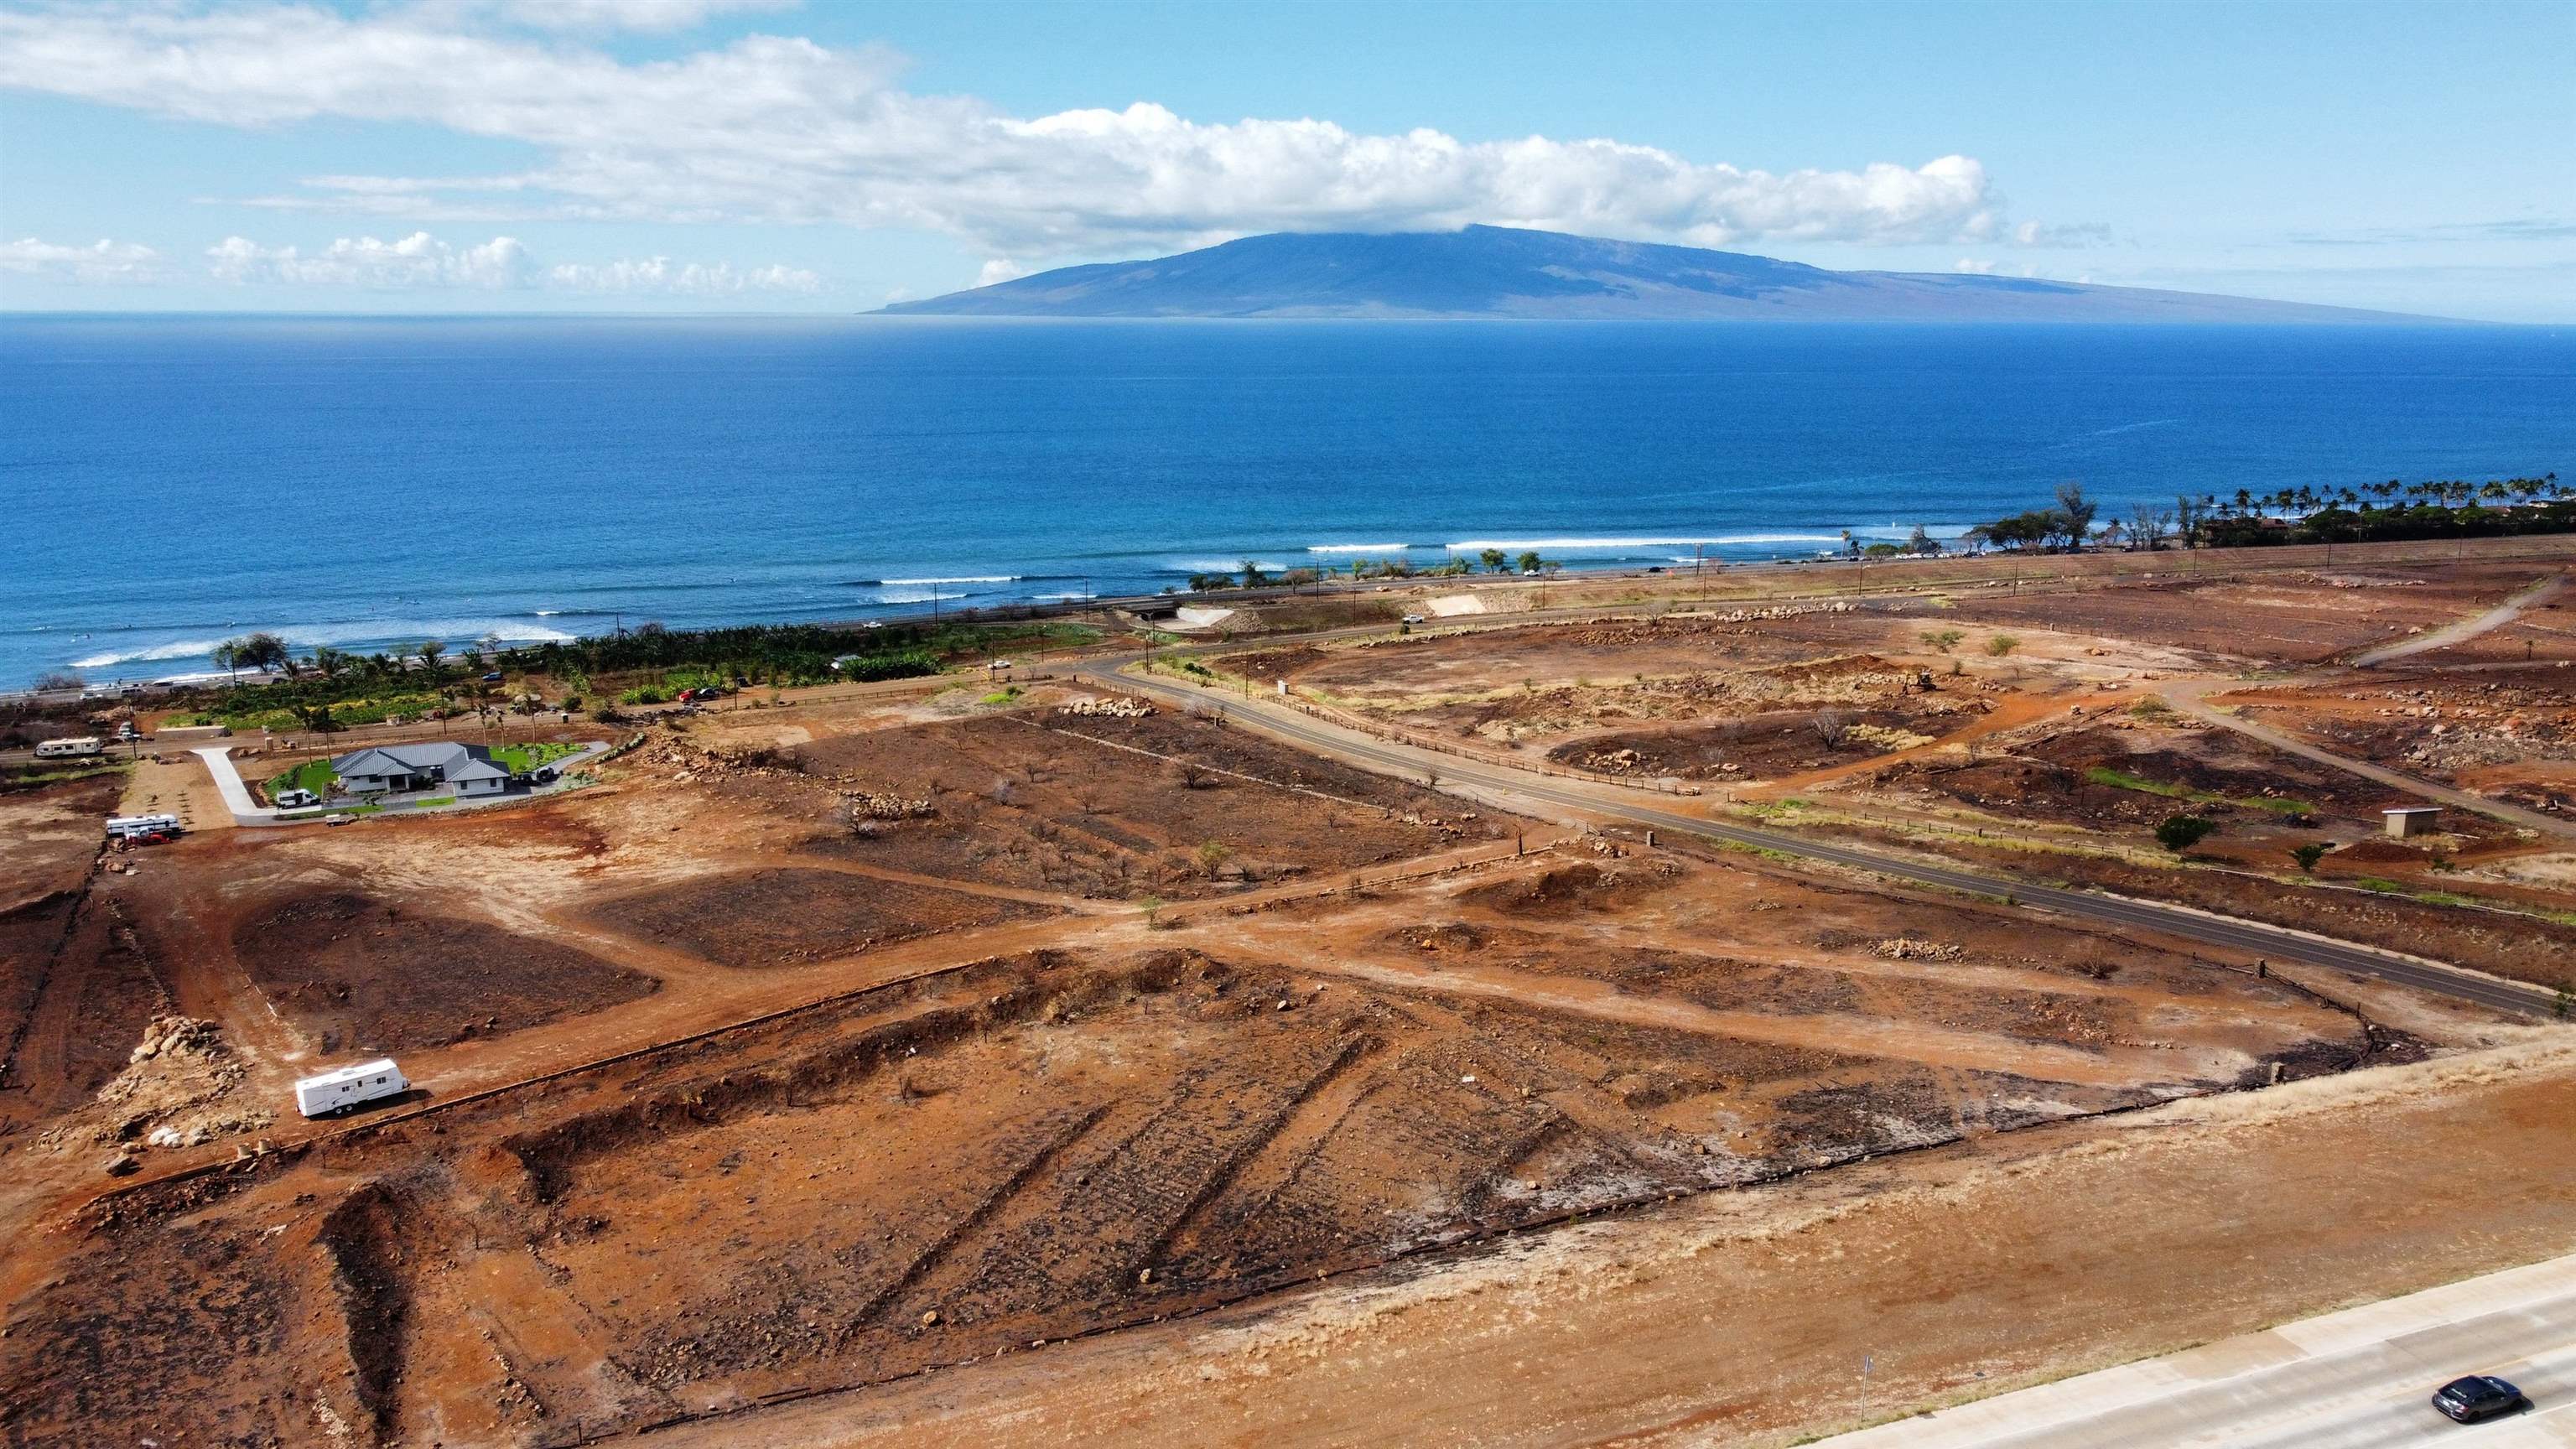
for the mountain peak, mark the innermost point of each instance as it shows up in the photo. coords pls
(1505, 272)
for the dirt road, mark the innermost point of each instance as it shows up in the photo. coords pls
(2471, 627)
(2189, 697)
(1544, 796)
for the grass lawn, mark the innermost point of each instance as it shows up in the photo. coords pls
(520, 759)
(313, 775)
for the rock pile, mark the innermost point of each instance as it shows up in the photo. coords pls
(1906, 948)
(865, 806)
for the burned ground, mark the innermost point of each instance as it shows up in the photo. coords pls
(1043, 1145)
(1117, 808)
(764, 918)
(363, 973)
(2294, 618)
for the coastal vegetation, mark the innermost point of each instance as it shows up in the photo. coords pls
(2391, 512)
(329, 688)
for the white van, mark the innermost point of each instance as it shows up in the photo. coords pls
(296, 799)
(131, 827)
(345, 1087)
(67, 749)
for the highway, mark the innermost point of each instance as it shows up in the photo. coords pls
(2358, 1379)
(2269, 942)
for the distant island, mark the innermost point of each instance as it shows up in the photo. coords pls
(1499, 272)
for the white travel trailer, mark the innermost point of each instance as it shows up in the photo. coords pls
(346, 1087)
(135, 827)
(84, 746)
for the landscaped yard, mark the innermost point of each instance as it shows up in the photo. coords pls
(520, 759)
(313, 775)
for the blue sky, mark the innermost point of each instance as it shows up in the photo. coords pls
(758, 155)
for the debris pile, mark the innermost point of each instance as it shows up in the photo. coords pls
(865, 806)
(1119, 706)
(169, 1094)
(1906, 948)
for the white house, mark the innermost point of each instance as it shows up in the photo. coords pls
(444, 764)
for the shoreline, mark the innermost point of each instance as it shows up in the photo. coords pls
(1719, 580)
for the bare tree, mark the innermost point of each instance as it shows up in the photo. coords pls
(2148, 526)
(1831, 729)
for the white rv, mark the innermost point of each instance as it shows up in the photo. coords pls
(346, 1087)
(137, 827)
(67, 749)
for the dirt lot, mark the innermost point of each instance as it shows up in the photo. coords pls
(360, 972)
(761, 918)
(1743, 1318)
(2506, 732)
(1042, 1145)
(2306, 617)
(1120, 808)
(74, 994)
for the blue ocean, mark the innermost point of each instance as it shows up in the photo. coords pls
(370, 483)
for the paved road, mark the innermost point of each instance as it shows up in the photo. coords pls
(2186, 696)
(2351, 1380)
(2273, 942)
(2471, 627)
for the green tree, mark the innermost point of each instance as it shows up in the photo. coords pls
(262, 650)
(2001, 645)
(1253, 578)
(429, 653)
(2308, 855)
(2076, 509)
(1493, 559)
(1944, 640)
(2179, 833)
(1530, 562)
(1212, 854)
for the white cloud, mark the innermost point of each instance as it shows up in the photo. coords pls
(1989, 267)
(619, 14)
(661, 274)
(782, 130)
(2071, 234)
(421, 262)
(999, 270)
(101, 261)
(414, 262)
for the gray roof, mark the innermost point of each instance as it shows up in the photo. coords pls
(441, 755)
(474, 770)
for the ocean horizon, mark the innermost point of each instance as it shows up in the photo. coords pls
(369, 482)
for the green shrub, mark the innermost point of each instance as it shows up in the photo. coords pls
(2179, 833)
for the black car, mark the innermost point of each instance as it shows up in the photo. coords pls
(2477, 1397)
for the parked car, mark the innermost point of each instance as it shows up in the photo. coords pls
(296, 799)
(2478, 1397)
(492, 678)
(1413, 618)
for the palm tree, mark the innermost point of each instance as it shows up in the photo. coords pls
(429, 652)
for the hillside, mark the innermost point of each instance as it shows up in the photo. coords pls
(1496, 272)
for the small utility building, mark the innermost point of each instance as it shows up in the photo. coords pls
(444, 765)
(2412, 819)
